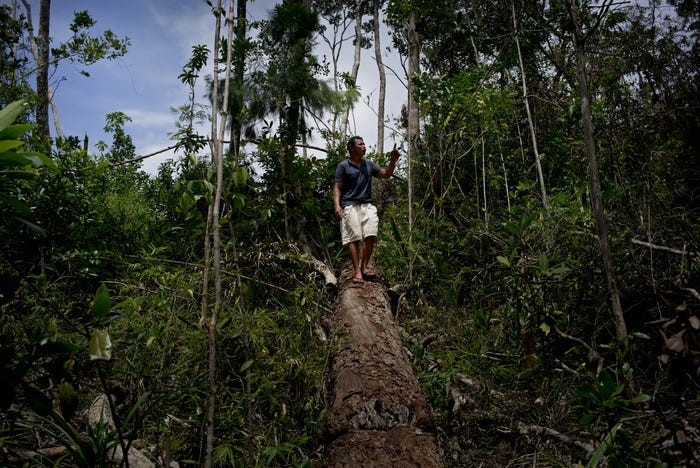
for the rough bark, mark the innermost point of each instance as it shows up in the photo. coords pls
(42, 75)
(377, 414)
(413, 116)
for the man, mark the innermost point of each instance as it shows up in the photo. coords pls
(352, 197)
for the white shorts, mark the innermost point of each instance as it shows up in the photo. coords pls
(359, 221)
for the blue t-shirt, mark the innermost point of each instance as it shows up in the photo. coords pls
(357, 181)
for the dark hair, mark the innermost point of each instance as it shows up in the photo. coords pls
(351, 142)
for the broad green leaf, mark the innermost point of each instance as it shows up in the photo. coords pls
(545, 328)
(14, 132)
(587, 419)
(641, 398)
(100, 347)
(599, 452)
(19, 174)
(12, 159)
(142, 399)
(36, 229)
(18, 205)
(513, 228)
(560, 270)
(503, 260)
(8, 145)
(640, 335)
(9, 114)
(103, 303)
(39, 159)
(246, 365)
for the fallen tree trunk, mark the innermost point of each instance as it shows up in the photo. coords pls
(377, 414)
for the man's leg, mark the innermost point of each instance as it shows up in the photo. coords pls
(367, 254)
(370, 225)
(354, 249)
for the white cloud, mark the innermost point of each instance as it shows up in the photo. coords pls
(149, 119)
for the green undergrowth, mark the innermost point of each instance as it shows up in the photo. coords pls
(271, 358)
(511, 337)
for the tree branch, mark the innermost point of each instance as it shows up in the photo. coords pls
(525, 429)
(141, 158)
(662, 248)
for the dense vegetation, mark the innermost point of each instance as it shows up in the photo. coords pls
(496, 269)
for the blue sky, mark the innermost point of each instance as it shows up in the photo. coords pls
(144, 84)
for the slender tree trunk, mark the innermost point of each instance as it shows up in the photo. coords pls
(42, 76)
(211, 331)
(217, 146)
(238, 74)
(538, 163)
(476, 186)
(355, 64)
(593, 173)
(483, 179)
(39, 46)
(505, 183)
(413, 116)
(382, 79)
(54, 113)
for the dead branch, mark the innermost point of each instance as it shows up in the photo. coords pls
(692, 291)
(592, 353)
(141, 158)
(539, 430)
(662, 248)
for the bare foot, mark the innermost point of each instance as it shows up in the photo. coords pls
(357, 280)
(369, 272)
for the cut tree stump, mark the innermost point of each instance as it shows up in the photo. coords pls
(377, 415)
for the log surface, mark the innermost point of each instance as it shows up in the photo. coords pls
(377, 415)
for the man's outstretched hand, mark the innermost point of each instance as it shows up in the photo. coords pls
(394, 154)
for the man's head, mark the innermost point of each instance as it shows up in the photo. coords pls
(356, 144)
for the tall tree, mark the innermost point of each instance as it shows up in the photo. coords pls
(342, 23)
(81, 49)
(580, 38)
(413, 116)
(240, 48)
(218, 128)
(376, 5)
(291, 82)
(531, 125)
(41, 56)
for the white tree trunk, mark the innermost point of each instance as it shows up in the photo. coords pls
(382, 79)
(538, 163)
(218, 132)
(355, 64)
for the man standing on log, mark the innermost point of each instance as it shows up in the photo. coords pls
(352, 197)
